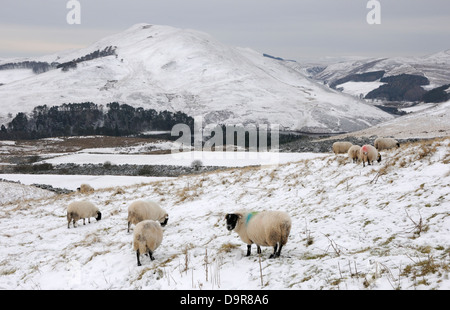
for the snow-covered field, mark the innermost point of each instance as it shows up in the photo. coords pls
(221, 159)
(72, 182)
(385, 226)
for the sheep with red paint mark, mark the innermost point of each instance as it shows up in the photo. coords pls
(369, 153)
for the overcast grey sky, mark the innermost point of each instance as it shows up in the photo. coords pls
(293, 29)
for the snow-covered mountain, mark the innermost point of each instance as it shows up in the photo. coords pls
(166, 68)
(359, 76)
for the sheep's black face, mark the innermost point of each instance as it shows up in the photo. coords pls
(231, 220)
(99, 216)
(379, 158)
(165, 222)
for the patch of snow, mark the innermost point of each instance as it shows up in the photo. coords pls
(72, 182)
(358, 88)
(221, 159)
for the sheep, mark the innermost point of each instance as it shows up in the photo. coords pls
(266, 228)
(354, 153)
(146, 210)
(385, 143)
(369, 153)
(147, 238)
(341, 147)
(82, 210)
(85, 189)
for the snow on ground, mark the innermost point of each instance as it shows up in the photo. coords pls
(9, 76)
(10, 192)
(385, 226)
(431, 122)
(72, 182)
(221, 159)
(141, 148)
(358, 88)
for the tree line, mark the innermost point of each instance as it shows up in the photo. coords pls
(87, 118)
(36, 66)
(41, 67)
(109, 50)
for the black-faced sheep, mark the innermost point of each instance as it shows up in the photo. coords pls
(85, 189)
(82, 210)
(385, 143)
(354, 153)
(147, 238)
(368, 154)
(341, 147)
(266, 228)
(141, 210)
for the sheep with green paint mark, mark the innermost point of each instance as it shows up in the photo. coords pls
(266, 228)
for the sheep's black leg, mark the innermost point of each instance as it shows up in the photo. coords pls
(258, 249)
(137, 255)
(249, 249)
(128, 227)
(274, 251)
(150, 253)
(279, 250)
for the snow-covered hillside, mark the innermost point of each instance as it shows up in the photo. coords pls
(10, 192)
(166, 68)
(435, 67)
(430, 122)
(385, 226)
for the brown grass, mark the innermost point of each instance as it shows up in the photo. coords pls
(228, 247)
(73, 144)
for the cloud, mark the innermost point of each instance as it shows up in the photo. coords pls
(286, 28)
